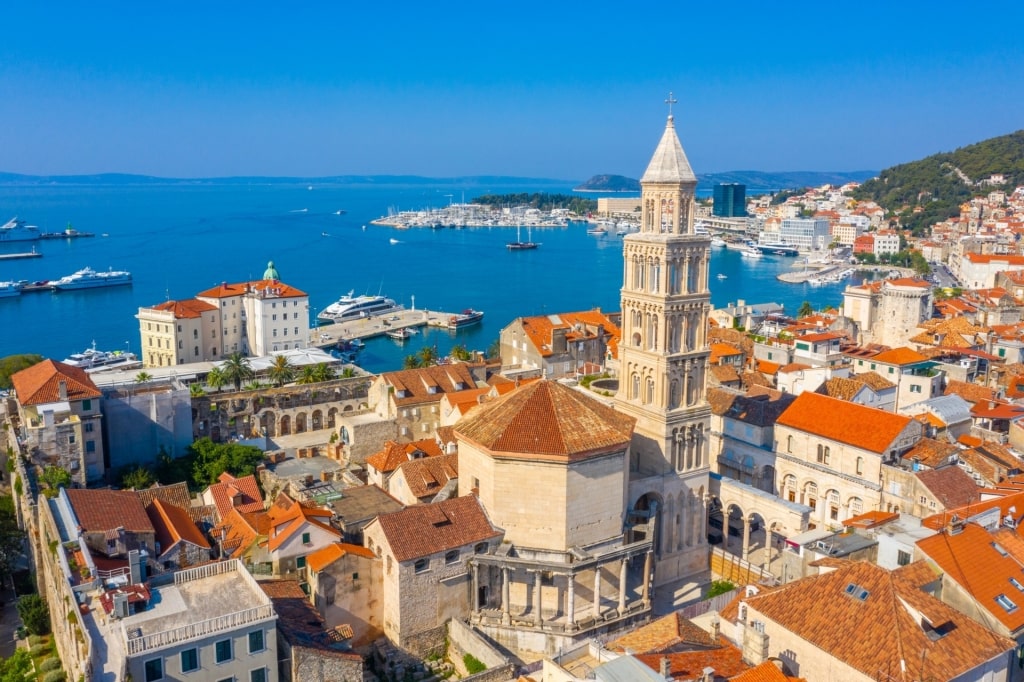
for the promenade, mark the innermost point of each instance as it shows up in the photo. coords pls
(328, 335)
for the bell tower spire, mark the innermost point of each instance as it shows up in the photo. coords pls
(663, 359)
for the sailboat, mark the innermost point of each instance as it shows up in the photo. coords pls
(519, 244)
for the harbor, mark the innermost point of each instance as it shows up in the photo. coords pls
(19, 256)
(461, 216)
(398, 324)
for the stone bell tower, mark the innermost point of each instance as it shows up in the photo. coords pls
(664, 363)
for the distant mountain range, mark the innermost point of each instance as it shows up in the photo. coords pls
(130, 179)
(756, 180)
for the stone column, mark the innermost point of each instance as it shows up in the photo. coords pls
(536, 599)
(746, 538)
(570, 610)
(476, 587)
(506, 614)
(622, 585)
(597, 592)
(647, 579)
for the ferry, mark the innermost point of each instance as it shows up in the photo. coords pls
(15, 230)
(464, 319)
(778, 249)
(350, 307)
(87, 278)
(92, 359)
(10, 289)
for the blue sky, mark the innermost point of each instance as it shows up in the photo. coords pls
(555, 89)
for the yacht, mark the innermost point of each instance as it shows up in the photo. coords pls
(350, 307)
(722, 276)
(87, 278)
(751, 252)
(15, 230)
(519, 244)
(92, 359)
(465, 318)
(717, 241)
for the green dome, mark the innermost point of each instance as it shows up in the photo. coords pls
(271, 272)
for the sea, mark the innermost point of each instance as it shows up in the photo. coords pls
(179, 239)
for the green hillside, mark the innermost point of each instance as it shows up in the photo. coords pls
(934, 184)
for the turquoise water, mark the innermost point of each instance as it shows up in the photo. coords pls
(179, 240)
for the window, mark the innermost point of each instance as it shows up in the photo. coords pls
(222, 651)
(860, 465)
(274, 317)
(258, 675)
(421, 566)
(295, 316)
(154, 670)
(86, 405)
(296, 330)
(71, 439)
(305, 539)
(90, 446)
(1005, 602)
(256, 643)
(88, 427)
(915, 388)
(481, 548)
(902, 558)
(189, 660)
(789, 444)
(452, 557)
(300, 562)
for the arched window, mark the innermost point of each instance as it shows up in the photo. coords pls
(421, 566)
(649, 397)
(480, 548)
(821, 453)
(789, 487)
(856, 506)
(635, 389)
(655, 275)
(673, 395)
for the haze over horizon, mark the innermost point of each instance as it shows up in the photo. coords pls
(535, 90)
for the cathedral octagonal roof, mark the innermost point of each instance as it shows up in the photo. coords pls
(669, 163)
(547, 421)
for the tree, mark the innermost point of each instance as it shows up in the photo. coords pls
(11, 539)
(34, 614)
(215, 378)
(805, 310)
(323, 372)
(236, 370)
(281, 371)
(307, 375)
(15, 363)
(459, 352)
(348, 373)
(494, 350)
(211, 459)
(16, 666)
(143, 377)
(428, 356)
(411, 362)
(56, 477)
(137, 478)
(196, 390)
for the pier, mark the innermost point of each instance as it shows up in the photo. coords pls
(372, 326)
(17, 256)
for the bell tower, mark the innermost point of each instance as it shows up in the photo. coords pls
(663, 360)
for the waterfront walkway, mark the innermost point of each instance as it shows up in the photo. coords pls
(369, 327)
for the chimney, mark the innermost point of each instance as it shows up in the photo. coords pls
(62, 389)
(709, 675)
(134, 567)
(666, 668)
(716, 629)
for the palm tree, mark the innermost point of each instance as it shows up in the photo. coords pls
(411, 362)
(143, 377)
(196, 390)
(307, 376)
(460, 352)
(348, 373)
(281, 371)
(428, 356)
(215, 378)
(323, 372)
(237, 369)
(805, 310)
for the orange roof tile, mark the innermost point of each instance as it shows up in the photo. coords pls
(427, 476)
(765, 367)
(394, 454)
(187, 309)
(325, 556)
(173, 524)
(226, 290)
(863, 427)
(899, 356)
(241, 493)
(539, 328)
(660, 635)
(769, 671)
(546, 420)
(241, 531)
(870, 519)
(287, 517)
(725, 659)
(105, 509)
(428, 384)
(426, 529)
(40, 383)
(951, 486)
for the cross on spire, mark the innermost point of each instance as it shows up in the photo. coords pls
(670, 101)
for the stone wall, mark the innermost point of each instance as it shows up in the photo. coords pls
(310, 664)
(462, 640)
(278, 411)
(427, 643)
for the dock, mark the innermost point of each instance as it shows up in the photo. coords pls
(17, 256)
(372, 326)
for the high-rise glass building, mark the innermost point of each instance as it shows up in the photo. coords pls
(730, 200)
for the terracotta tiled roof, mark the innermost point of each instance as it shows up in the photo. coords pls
(662, 635)
(994, 257)
(299, 622)
(173, 524)
(188, 309)
(723, 350)
(546, 420)
(793, 367)
(725, 659)
(766, 367)
(394, 454)
(908, 282)
(325, 556)
(822, 336)
(724, 374)
(103, 510)
(242, 531)
(769, 671)
(427, 384)
(972, 393)
(899, 356)
(758, 407)
(40, 383)
(871, 519)
(875, 381)
(228, 290)
(981, 566)
(426, 529)
(951, 486)
(175, 493)
(428, 475)
(236, 493)
(863, 427)
(841, 388)
(931, 453)
(539, 328)
(287, 517)
(881, 606)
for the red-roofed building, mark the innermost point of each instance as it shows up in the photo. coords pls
(412, 397)
(230, 493)
(888, 311)
(559, 344)
(254, 318)
(830, 454)
(978, 271)
(59, 411)
(180, 544)
(295, 532)
(917, 378)
(345, 585)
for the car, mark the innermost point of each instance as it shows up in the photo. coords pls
(394, 318)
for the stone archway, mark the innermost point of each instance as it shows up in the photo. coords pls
(286, 425)
(647, 517)
(268, 424)
(300, 422)
(332, 415)
(316, 420)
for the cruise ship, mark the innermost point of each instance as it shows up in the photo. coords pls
(350, 307)
(15, 230)
(87, 278)
(92, 359)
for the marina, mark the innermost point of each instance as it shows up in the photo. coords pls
(460, 216)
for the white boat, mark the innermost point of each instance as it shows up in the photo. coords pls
(10, 289)
(400, 334)
(87, 278)
(350, 307)
(750, 252)
(722, 276)
(92, 359)
(15, 230)
(717, 241)
(394, 241)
